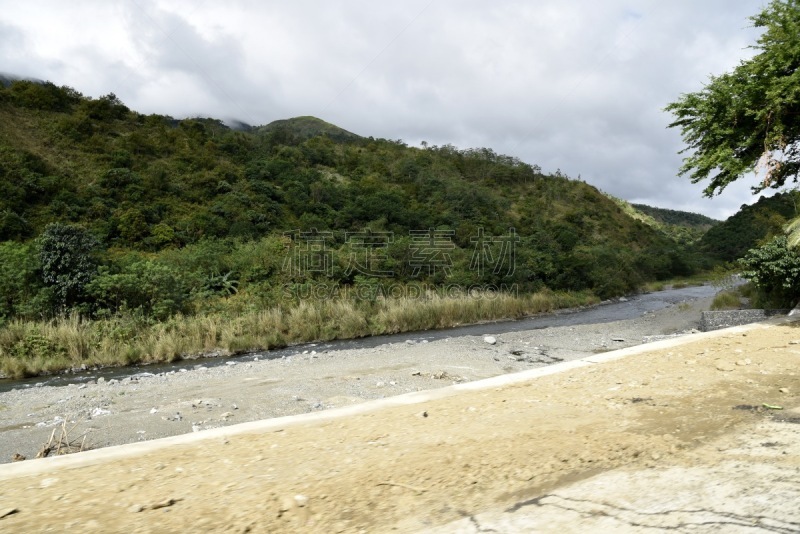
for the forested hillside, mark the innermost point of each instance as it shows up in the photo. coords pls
(200, 211)
(751, 226)
(682, 226)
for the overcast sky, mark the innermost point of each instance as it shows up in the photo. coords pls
(575, 85)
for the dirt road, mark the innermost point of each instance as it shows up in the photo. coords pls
(686, 437)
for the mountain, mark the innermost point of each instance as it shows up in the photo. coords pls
(304, 128)
(193, 207)
(750, 226)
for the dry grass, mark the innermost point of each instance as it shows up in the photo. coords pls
(31, 348)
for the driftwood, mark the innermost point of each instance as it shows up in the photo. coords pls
(62, 444)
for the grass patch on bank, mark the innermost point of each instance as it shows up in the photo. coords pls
(30, 348)
(726, 300)
(722, 276)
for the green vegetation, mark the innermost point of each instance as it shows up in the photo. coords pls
(682, 226)
(112, 221)
(747, 120)
(726, 300)
(679, 226)
(775, 270)
(305, 128)
(29, 348)
(750, 227)
(677, 217)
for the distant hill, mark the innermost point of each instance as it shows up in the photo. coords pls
(306, 127)
(750, 226)
(677, 217)
(681, 226)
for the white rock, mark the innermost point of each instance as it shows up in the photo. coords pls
(491, 340)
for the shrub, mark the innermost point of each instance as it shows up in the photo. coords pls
(775, 271)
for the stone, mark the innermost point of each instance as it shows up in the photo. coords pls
(746, 361)
(725, 366)
(97, 412)
(491, 340)
(783, 390)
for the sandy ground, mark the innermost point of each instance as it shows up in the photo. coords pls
(678, 438)
(151, 405)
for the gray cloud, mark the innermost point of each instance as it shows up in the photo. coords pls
(578, 86)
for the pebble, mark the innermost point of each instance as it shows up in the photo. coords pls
(491, 340)
(783, 390)
(725, 366)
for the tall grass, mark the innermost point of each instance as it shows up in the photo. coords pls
(29, 348)
(726, 300)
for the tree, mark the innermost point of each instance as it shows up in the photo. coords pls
(67, 261)
(749, 119)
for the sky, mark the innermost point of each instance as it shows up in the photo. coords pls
(572, 85)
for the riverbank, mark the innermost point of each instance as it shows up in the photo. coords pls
(34, 348)
(698, 433)
(154, 405)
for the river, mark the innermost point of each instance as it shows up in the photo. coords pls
(618, 310)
